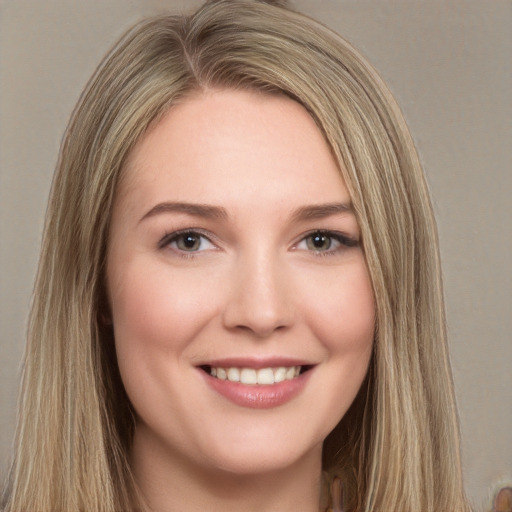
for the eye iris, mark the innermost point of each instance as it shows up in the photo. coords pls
(188, 242)
(319, 242)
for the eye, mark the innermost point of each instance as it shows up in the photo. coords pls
(326, 242)
(187, 241)
(319, 242)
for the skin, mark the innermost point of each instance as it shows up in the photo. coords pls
(256, 287)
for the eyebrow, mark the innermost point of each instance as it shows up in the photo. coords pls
(310, 212)
(196, 210)
(321, 211)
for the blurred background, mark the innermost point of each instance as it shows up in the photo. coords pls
(449, 64)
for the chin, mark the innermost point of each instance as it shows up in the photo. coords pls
(258, 462)
(260, 450)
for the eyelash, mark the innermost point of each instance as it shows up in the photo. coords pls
(344, 241)
(169, 238)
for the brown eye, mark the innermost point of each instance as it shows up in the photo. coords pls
(319, 242)
(188, 242)
(326, 243)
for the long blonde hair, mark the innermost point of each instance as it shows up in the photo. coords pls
(397, 448)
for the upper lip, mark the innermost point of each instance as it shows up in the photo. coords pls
(256, 362)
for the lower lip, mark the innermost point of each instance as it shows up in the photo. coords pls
(259, 396)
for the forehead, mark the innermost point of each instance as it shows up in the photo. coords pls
(223, 145)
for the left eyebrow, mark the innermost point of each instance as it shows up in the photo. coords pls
(321, 211)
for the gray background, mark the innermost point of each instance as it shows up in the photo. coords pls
(449, 64)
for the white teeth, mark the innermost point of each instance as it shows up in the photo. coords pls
(250, 376)
(265, 376)
(233, 374)
(280, 374)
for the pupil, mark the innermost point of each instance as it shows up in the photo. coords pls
(190, 242)
(321, 241)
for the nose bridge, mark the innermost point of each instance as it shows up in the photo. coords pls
(258, 300)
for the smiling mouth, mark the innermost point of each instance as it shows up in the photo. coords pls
(253, 377)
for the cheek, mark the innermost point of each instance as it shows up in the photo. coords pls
(155, 310)
(156, 315)
(342, 312)
(343, 320)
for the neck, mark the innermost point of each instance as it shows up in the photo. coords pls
(170, 483)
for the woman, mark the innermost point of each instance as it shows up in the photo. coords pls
(239, 286)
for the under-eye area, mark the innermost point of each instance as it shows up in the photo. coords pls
(252, 376)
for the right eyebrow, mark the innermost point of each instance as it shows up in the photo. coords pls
(194, 209)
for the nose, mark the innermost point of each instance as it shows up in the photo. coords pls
(258, 301)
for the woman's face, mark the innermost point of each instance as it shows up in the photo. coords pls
(242, 306)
